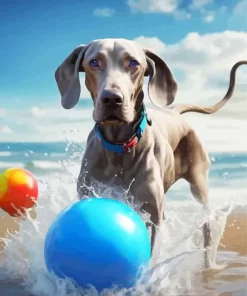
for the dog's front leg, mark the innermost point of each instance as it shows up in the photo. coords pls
(84, 182)
(151, 196)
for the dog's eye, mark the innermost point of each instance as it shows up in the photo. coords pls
(133, 64)
(94, 64)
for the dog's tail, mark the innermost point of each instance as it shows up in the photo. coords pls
(184, 108)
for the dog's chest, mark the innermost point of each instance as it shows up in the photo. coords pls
(109, 169)
(111, 182)
(112, 172)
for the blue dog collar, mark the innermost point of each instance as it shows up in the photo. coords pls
(127, 146)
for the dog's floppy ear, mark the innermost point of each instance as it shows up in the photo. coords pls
(162, 86)
(67, 77)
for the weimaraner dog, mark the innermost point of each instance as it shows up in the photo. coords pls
(126, 148)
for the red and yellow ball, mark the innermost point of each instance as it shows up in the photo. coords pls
(18, 191)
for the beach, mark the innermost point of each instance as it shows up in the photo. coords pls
(22, 267)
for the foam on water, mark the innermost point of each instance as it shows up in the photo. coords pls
(5, 153)
(6, 165)
(178, 258)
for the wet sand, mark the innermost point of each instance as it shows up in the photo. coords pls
(235, 235)
(232, 279)
(232, 252)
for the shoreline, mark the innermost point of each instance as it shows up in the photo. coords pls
(231, 254)
(233, 239)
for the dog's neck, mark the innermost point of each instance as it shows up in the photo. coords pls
(121, 139)
(120, 133)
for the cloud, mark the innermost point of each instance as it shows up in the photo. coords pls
(236, 17)
(104, 12)
(197, 4)
(185, 10)
(152, 43)
(84, 91)
(218, 134)
(180, 14)
(150, 6)
(37, 112)
(209, 18)
(205, 62)
(75, 125)
(5, 130)
(3, 112)
(202, 57)
(43, 124)
(201, 7)
(220, 49)
(240, 8)
(174, 8)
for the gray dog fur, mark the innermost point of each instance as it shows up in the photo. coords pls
(169, 148)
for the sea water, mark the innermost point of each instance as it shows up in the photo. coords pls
(180, 269)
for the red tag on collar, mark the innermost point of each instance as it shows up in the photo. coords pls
(127, 146)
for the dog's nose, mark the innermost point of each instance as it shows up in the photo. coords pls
(111, 99)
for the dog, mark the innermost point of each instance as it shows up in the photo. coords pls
(125, 144)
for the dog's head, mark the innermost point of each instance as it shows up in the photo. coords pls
(115, 70)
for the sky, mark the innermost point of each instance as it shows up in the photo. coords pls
(199, 39)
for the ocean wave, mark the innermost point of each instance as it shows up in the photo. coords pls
(7, 165)
(53, 154)
(45, 164)
(5, 153)
(36, 167)
(179, 234)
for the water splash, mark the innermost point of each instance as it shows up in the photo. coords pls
(178, 260)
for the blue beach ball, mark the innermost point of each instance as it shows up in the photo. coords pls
(99, 242)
